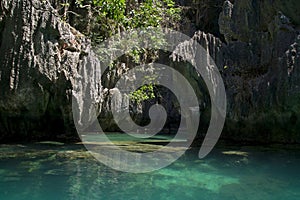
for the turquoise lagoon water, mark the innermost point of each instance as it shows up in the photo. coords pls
(47, 171)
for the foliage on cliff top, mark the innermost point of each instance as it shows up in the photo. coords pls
(112, 16)
(109, 17)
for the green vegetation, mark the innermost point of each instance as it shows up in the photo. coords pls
(107, 18)
(143, 93)
(110, 17)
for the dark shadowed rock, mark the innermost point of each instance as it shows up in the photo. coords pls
(260, 66)
(262, 59)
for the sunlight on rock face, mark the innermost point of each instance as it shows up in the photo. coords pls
(192, 178)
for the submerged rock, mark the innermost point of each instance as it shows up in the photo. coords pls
(213, 182)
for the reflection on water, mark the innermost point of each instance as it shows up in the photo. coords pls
(54, 172)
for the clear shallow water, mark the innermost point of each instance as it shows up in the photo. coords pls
(54, 172)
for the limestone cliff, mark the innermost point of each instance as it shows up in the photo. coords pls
(40, 57)
(259, 61)
(255, 44)
(262, 75)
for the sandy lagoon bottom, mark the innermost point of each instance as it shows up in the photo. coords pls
(51, 171)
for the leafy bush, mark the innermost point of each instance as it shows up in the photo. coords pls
(113, 16)
(110, 17)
